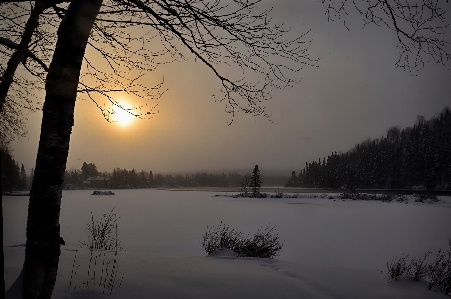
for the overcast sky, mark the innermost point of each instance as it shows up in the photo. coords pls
(356, 93)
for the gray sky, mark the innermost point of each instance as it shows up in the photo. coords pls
(354, 94)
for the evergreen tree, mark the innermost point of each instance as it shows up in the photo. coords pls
(151, 182)
(143, 180)
(134, 180)
(114, 183)
(89, 170)
(255, 182)
(10, 171)
(30, 178)
(23, 178)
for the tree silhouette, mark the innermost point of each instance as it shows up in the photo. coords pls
(255, 182)
(245, 39)
(89, 170)
(24, 46)
(420, 26)
(43, 229)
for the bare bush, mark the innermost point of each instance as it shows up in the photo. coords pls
(439, 272)
(425, 197)
(418, 267)
(219, 237)
(398, 267)
(263, 244)
(100, 273)
(103, 233)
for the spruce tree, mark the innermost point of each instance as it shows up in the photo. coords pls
(255, 182)
(23, 178)
(151, 182)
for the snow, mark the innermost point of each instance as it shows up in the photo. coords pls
(332, 249)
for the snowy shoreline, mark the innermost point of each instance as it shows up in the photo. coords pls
(275, 189)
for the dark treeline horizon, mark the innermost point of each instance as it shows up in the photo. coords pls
(122, 179)
(415, 157)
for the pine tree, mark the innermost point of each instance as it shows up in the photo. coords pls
(23, 178)
(89, 170)
(30, 178)
(151, 182)
(10, 171)
(255, 182)
(143, 180)
(114, 183)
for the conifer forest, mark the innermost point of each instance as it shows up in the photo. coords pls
(414, 157)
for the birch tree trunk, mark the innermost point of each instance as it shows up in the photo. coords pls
(43, 229)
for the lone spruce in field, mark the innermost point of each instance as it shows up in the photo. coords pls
(255, 182)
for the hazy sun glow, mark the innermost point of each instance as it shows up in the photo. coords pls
(123, 116)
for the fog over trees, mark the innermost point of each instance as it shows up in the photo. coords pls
(418, 156)
(121, 178)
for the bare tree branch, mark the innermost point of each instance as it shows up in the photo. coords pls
(47, 2)
(21, 51)
(28, 54)
(420, 26)
(219, 35)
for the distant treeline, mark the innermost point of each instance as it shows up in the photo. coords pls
(123, 178)
(415, 157)
(202, 179)
(13, 177)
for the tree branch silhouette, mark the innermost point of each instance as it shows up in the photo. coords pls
(420, 27)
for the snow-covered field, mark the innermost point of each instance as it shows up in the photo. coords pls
(332, 249)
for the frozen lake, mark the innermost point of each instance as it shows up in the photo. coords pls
(357, 234)
(316, 232)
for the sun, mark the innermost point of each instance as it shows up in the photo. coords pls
(122, 115)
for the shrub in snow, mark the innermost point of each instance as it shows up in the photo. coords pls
(437, 273)
(263, 244)
(364, 196)
(388, 197)
(99, 273)
(219, 237)
(428, 197)
(418, 267)
(103, 233)
(102, 268)
(397, 268)
(278, 194)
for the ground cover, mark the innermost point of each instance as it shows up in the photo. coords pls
(331, 249)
